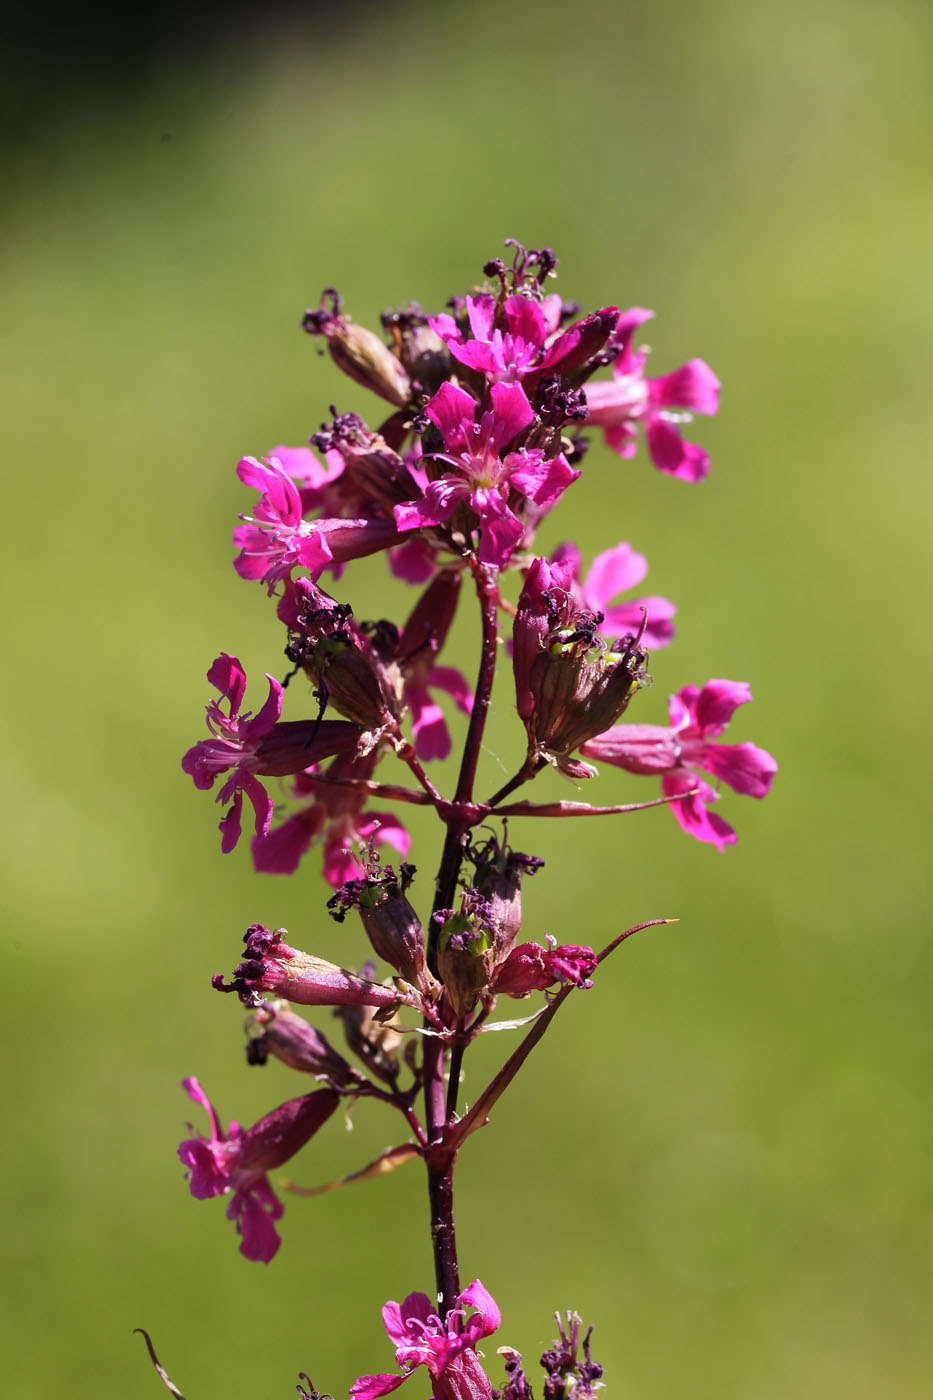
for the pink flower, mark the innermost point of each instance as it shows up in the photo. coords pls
(234, 746)
(633, 397)
(519, 346)
(259, 745)
(447, 1349)
(481, 478)
(611, 573)
(697, 718)
(336, 819)
(277, 539)
(238, 1161)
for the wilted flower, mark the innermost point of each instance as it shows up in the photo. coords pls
(237, 1162)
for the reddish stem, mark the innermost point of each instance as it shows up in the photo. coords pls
(438, 1112)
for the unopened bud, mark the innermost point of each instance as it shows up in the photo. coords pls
(374, 1042)
(274, 1029)
(357, 351)
(272, 966)
(420, 349)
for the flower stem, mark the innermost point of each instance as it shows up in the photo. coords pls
(440, 1161)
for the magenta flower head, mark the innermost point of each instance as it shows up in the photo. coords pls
(447, 1349)
(272, 966)
(237, 1162)
(567, 681)
(247, 745)
(698, 717)
(632, 397)
(481, 479)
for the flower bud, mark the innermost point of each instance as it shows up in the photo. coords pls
(391, 924)
(567, 680)
(420, 349)
(357, 351)
(275, 1029)
(272, 966)
(354, 669)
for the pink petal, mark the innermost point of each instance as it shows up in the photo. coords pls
(414, 561)
(623, 439)
(230, 825)
(429, 727)
(568, 553)
(551, 308)
(717, 702)
(488, 1317)
(481, 311)
(227, 676)
(449, 410)
(611, 573)
(497, 540)
(262, 802)
(628, 617)
(370, 1387)
(476, 354)
(449, 679)
(438, 504)
(680, 706)
(446, 327)
(280, 850)
(386, 830)
(416, 1308)
(512, 413)
(207, 1175)
(745, 767)
(693, 386)
(628, 323)
(692, 813)
(302, 465)
(671, 454)
(524, 318)
(263, 722)
(254, 1208)
(542, 481)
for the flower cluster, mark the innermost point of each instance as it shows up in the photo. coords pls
(483, 411)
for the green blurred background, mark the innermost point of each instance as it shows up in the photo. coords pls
(721, 1155)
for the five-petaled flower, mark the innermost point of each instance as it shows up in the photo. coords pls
(698, 717)
(246, 745)
(481, 478)
(237, 1161)
(633, 397)
(447, 1349)
(234, 746)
